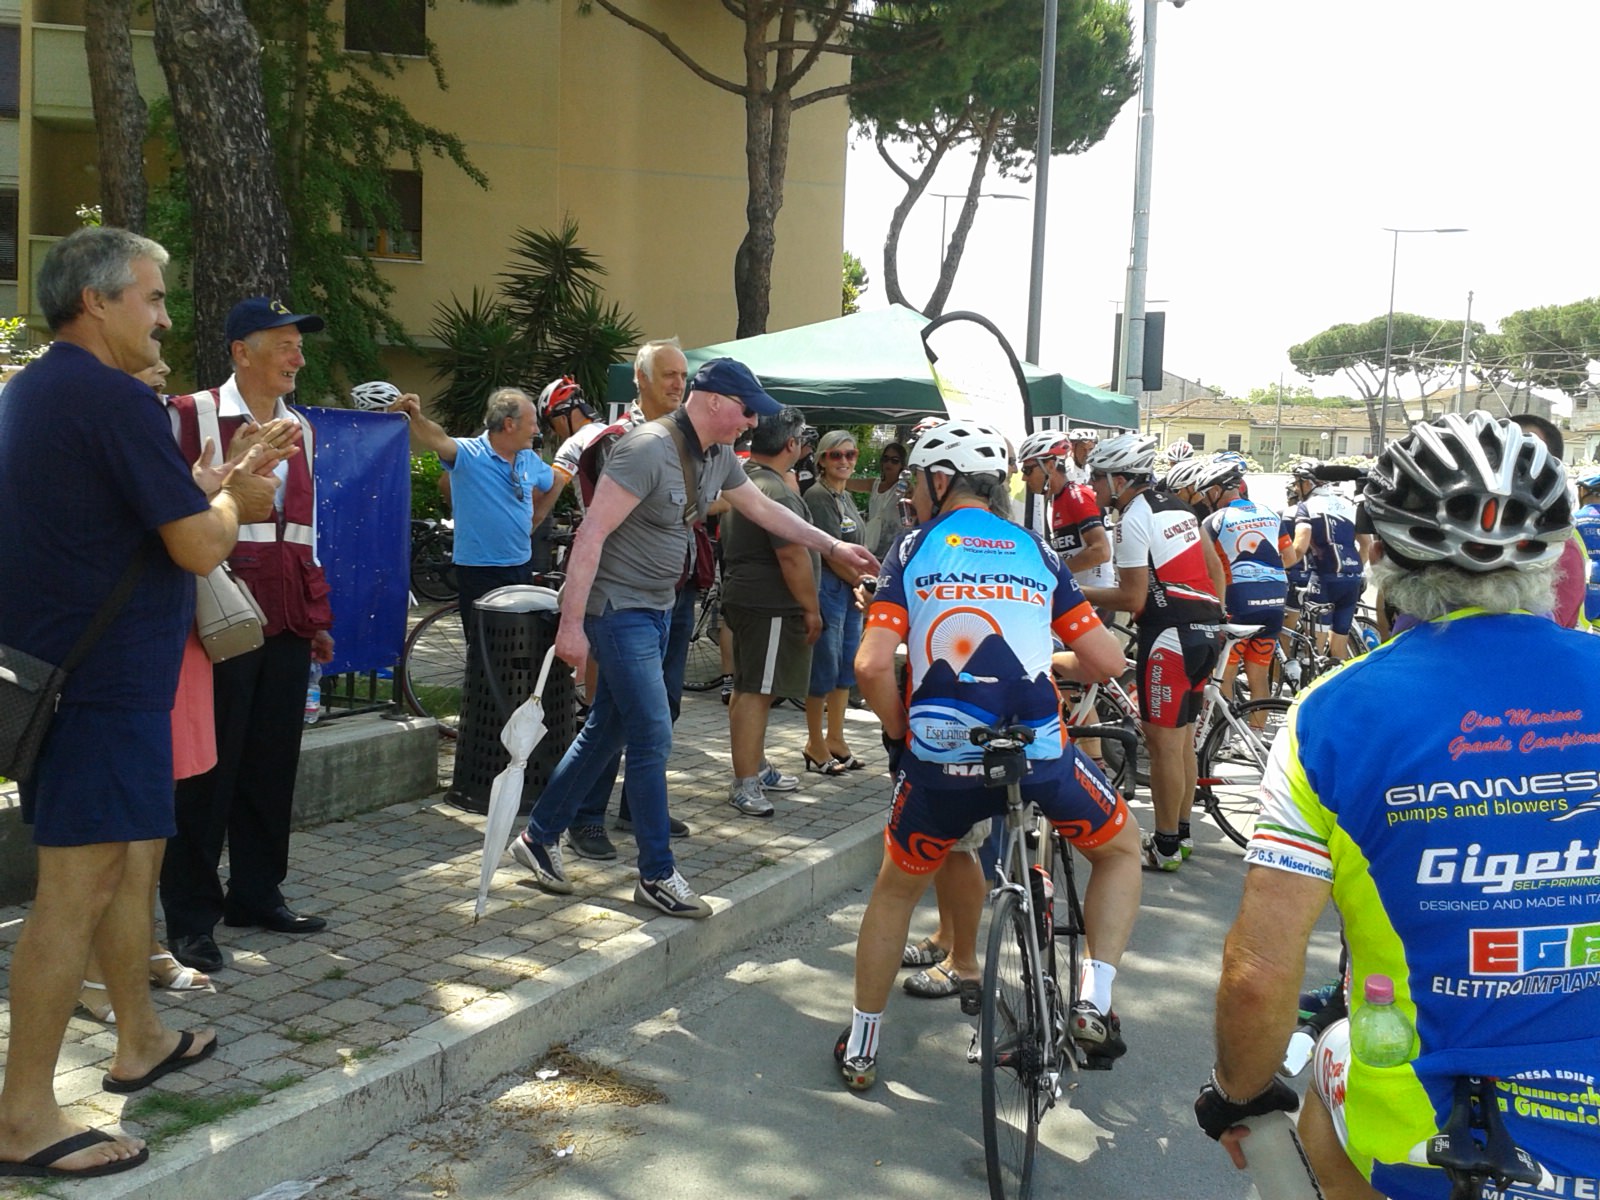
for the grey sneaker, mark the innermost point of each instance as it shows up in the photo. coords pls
(751, 802)
(671, 895)
(675, 827)
(590, 841)
(544, 862)
(773, 780)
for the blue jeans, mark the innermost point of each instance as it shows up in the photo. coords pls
(630, 711)
(592, 808)
(833, 658)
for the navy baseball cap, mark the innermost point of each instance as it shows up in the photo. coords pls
(729, 377)
(263, 312)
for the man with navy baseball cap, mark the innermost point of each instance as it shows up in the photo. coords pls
(730, 378)
(262, 312)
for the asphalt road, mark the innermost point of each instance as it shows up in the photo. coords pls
(727, 1089)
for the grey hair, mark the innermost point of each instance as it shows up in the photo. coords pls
(99, 257)
(774, 431)
(833, 439)
(504, 404)
(1437, 589)
(644, 361)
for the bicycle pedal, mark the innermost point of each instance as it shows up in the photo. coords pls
(971, 998)
(974, 1055)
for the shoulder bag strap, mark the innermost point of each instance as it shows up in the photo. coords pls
(110, 606)
(693, 509)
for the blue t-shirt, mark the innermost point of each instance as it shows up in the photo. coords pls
(1587, 521)
(1461, 835)
(88, 466)
(976, 599)
(493, 503)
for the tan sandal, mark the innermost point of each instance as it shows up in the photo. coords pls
(168, 973)
(100, 1010)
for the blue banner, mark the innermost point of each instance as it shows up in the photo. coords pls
(363, 474)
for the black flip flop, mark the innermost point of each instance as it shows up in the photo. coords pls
(176, 1061)
(38, 1166)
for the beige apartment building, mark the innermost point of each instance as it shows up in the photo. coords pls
(566, 114)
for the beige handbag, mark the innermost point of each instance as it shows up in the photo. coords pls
(226, 615)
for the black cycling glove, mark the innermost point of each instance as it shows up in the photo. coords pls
(894, 747)
(1217, 1114)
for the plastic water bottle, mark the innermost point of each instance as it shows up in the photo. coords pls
(1276, 1160)
(1380, 1034)
(1044, 898)
(314, 693)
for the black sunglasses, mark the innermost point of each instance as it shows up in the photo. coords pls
(892, 461)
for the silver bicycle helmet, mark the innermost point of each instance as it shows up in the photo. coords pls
(1047, 443)
(1305, 469)
(374, 396)
(1186, 474)
(960, 448)
(1589, 481)
(1178, 451)
(1218, 471)
(1083, 435)
(1471, 491)
(1130, 454)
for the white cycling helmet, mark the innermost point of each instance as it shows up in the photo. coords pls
(374, 396)
(959, 448)
(1186, 474)
(1179, 451)
(1471, 491)
(1130, 454)
(1083, 435)
(1047, 443)
(1220, 470)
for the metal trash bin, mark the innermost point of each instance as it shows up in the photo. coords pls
(516, 626)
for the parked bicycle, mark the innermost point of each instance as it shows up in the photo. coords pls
(433, 667)
(433, 572)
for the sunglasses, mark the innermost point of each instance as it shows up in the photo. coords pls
(889, 461)
(841, 455)
(1098, 475)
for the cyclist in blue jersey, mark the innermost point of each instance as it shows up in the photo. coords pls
(1325, 533)
(1460, 840)
(975, 600)
(1297, 570)
(1245, 536)
(1588, 523)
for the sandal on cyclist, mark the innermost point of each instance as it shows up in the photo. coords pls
(926, 953)
(936, 983)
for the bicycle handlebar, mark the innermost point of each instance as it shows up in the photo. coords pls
(1116, 733)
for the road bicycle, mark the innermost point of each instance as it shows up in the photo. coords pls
(1031, 970)
(1297, 660)
(433, 571)
(433, 667)
(702, 669)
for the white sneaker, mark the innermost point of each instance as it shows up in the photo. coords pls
(751, 801)
(1154, 860)
(671, 895)
(773, 780)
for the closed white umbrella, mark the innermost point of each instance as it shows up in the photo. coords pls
(521, 734)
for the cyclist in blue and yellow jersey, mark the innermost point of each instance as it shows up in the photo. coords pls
(1459, 844)
(975, 600)
(1169, 578)
(1325, 533)
(1245, 536)
(1587, 521)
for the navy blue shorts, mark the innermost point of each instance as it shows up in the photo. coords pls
(1341, 591)
(104, 775)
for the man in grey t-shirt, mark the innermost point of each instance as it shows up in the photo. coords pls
(632, 551)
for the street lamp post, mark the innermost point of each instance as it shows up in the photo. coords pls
(944, 213)
(1388, 329)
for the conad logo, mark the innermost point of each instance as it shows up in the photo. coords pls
(977, 543)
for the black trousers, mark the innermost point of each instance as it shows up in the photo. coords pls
(247, 799)
(472, 582)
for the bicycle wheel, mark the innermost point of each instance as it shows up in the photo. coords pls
(1011, 1036)
(1364, 636)
(702, 670)
(1069, 927)
(433, 667)
(1232, 760)
(1121, 773)
(433, 573)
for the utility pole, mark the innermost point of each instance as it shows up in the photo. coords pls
(1132, 372)
(1466, 347)
(1041, 190)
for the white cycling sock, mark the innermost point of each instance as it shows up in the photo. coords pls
(1095, 984)
(863, 1035)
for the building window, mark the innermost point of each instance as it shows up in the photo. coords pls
(1341, 444)
(1267, 446)
(404, 239)
(1580, 401)
(1305, 445)
(1197, 440)
(387, 26)
(1366, 446)
(8, 237)
(10, 70)
(1235, 441)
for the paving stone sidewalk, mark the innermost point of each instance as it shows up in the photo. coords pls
(402, 951)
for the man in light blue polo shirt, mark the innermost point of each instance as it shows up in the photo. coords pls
(495, 479)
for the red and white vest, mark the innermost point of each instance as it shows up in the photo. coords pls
(273, 558)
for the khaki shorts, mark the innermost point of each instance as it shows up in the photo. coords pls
(770, 655)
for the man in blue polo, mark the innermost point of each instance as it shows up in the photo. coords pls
(630, 556)
(495, 479)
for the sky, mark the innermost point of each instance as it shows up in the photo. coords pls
(1288, 135)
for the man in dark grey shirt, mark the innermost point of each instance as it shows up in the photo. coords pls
(631, 553)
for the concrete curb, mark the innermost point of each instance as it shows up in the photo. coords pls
(310, 1128)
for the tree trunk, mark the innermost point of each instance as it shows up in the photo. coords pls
(916, 185)
(950, 262)
(120, 115)
(212, 60)
(766, 150)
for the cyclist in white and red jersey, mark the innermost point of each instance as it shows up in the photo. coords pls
(975, 600)
(1457, 839)
(568, 416)
(1169, 578)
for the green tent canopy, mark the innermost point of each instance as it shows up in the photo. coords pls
(869, 368)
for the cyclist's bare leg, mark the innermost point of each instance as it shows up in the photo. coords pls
(961, 889)
(882, 938)
(1111, 899)
(725, 647)
(1172, 774)
(1256, 675)
(1338, 646)
(1335, 1172)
